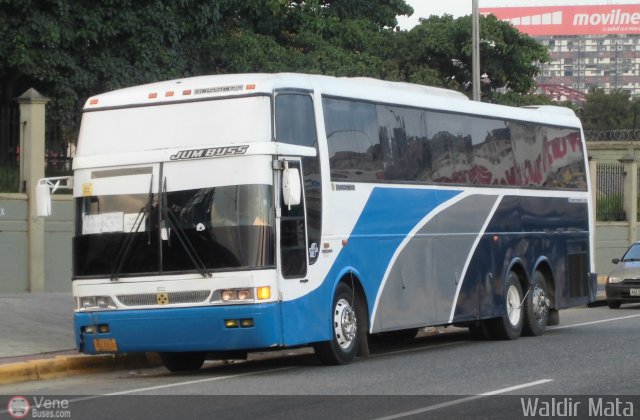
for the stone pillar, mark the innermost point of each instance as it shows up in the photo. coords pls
(32, 150)
(630, 193)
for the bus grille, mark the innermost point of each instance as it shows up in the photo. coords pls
(148, 299)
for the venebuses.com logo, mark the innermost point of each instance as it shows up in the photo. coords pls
(20, 407)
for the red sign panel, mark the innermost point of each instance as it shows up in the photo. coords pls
(571, 20)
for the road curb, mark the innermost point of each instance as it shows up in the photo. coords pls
(62, 366)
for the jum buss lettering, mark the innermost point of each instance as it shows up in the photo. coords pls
(210, 152)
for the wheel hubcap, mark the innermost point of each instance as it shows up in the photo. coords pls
(540, 303)
(344, 323)
(513, 305)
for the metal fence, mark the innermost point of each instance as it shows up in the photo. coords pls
(610, 192)
(59, 150)
(9, 149)
(612, 135)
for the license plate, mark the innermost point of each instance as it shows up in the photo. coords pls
(634, 292)
(107, 344)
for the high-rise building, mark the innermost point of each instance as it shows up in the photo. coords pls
(590, 46)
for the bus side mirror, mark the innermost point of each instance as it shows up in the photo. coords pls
(43, 199)
(291, 186)
(45, 187)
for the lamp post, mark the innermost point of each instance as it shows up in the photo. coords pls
(475, 54)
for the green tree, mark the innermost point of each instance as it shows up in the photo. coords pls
(509, 58)
(607, 111)
(333, 38)
(634, 113)
(517, 99)
(70, 50)
(379, 14)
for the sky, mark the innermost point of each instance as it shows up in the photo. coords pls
(457, 8)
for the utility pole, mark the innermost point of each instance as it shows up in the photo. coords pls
(475, 54)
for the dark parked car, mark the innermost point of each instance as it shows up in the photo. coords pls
(623, 284)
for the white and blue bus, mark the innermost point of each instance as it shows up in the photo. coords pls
(231, 213)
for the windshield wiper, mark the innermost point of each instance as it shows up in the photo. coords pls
(125, 248)
(170, 219)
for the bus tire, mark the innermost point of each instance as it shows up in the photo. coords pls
(509, 325)
(182, 361)
(536, 306)
(344, 343)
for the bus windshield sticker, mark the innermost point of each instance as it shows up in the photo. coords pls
(130, 221)
(101, 223)
(210, 152)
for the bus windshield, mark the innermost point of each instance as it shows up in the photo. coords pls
(214, 228)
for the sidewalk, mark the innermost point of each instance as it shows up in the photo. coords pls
(37, 342)
(34, 324)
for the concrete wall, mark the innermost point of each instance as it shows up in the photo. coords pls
(14, 264)
(611, 242)
(14, 275)
(58, 232)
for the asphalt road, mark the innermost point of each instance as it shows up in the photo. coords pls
(587, 366)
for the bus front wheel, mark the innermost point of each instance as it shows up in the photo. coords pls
(509, 325)
(345, 321)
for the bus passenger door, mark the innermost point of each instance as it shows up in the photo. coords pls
(293, 234)
(302, 315)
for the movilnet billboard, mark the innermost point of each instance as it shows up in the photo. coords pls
(612, 19)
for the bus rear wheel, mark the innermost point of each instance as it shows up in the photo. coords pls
(536, 306)
(509, 325)
(182, 361)
(345, 336)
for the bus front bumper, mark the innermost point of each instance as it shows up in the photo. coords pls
(179, 329)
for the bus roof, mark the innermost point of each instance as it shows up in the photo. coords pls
(363, 88)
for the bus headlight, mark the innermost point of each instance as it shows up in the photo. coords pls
(244, 294)
(233, 295)
(241, 295)
(228, 295)
(95, 303)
